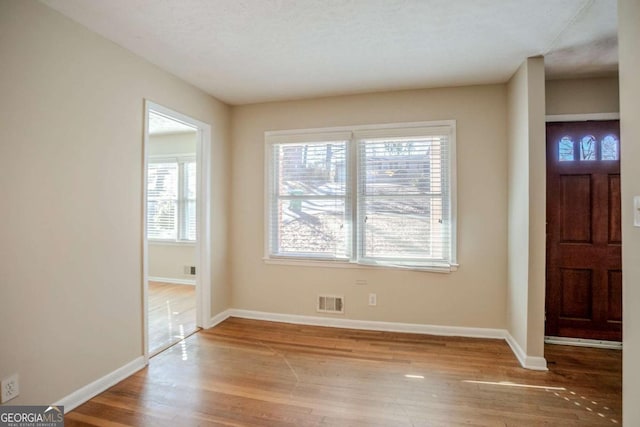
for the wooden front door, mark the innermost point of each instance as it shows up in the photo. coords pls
(584, 262)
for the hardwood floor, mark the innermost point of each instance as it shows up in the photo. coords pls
(172, 314)
(255, 373)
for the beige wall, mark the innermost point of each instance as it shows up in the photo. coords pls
(582, 96)
(518, 216)
(167, 260)
(71, 174)
(474, 296)
(526, 207)
(537, 207)
(629, 35)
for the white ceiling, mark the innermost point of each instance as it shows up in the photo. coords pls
(247, 51)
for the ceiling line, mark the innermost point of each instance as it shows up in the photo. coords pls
(579, 13)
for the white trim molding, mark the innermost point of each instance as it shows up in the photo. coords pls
(219, 318)
(582, 342)
(582, 117)
(90, 390)
(368, 325)
(172, 280)
(534, 363)
(297, 262)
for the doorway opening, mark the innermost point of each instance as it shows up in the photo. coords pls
(584, 265)
(176, 266)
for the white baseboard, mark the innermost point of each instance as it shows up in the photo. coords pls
(85, 393)
(581, 342)
(528, 362)
(172, 280)
(218, 318)
(371, 325)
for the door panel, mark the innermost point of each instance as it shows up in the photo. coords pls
(575, 210)
(576, 294)
(584, 271)
(615, 222)
(615, 296)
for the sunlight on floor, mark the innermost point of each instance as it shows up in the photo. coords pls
(571, 397)
(172, 314)
(584, 402)
(413, 376)
(510, 384)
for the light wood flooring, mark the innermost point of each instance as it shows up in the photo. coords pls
(255, 373)
(172, 314)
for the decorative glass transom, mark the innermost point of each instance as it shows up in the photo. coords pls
(565, 149)
(609, 148)
(590, 150)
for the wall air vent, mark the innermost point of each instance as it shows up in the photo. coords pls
(330, 304)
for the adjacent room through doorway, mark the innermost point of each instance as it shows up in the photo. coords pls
(171, 230)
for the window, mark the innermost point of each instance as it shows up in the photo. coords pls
(379, 195)
(609, 148)
(309, 203)
(588, 148)
(565, 149)
(171, 199)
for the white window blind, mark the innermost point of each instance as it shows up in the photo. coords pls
(403, 200)
(382, 195)
(171, 200)
(188, 199)
(308, 200)
(162, 201)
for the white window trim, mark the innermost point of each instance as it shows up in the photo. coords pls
(164, 242)
(308, 262)
(353, 133)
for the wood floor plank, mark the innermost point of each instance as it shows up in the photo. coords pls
(172, 313)
(255, 373)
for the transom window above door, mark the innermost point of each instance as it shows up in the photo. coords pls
(588, 148)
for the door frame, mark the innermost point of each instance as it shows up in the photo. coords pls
(581, 117)
(580, 342)
(203, 219)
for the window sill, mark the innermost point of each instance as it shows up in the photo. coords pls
(346, 264)
(170, 243)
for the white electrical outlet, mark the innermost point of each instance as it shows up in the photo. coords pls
(10, 388)
(373, 299)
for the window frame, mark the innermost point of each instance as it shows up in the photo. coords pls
(354, 135)
(181, 201)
